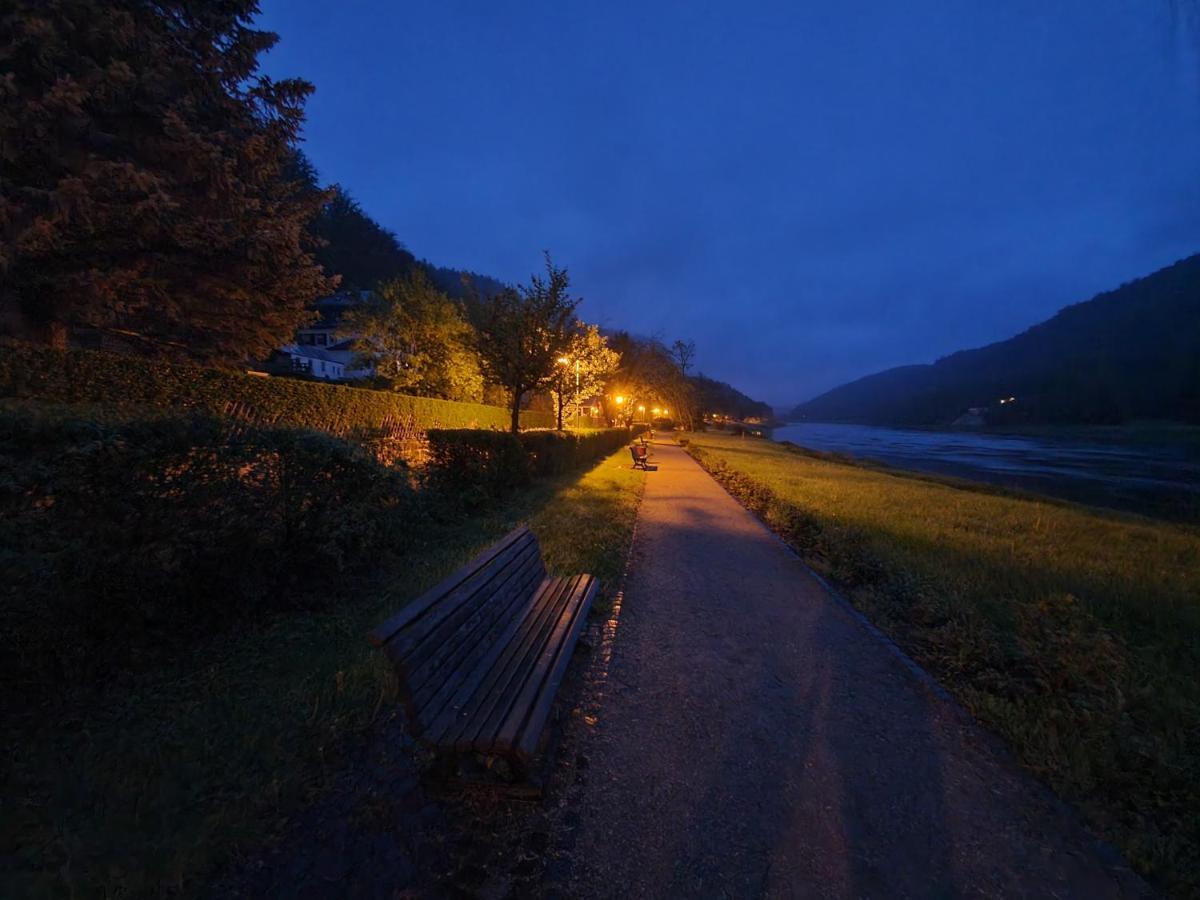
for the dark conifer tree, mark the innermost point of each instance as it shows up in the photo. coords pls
(143, 177)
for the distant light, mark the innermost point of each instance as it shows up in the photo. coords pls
(562, 360)
(619, 399)
(641, 409)
(666, 412)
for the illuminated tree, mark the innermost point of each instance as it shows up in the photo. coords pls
(524, 332)
(584, 369)
(650, 375)
(418, 339)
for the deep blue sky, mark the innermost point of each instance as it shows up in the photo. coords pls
(811, 191)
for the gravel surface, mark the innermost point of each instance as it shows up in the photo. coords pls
(752, 737)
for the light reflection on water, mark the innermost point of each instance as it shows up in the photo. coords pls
(1157, 479)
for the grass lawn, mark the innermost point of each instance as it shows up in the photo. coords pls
(1073, 632)
(150, 785)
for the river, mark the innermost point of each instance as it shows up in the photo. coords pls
(1161, 480)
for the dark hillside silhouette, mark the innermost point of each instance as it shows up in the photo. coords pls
(719, 397)
(1131, 353)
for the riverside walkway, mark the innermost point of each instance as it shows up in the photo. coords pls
(755, 738)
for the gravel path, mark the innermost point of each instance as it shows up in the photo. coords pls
(754, 738)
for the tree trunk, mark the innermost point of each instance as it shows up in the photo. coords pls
(516, 410)
(57, 336)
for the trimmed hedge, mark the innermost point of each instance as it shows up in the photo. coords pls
(557, 452)
(125, 543)
(478, 465)
(481, 465)
(91, 376)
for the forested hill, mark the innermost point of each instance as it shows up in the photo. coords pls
(363, 253)
(1131, 353)
(719, 397)
(352, 245)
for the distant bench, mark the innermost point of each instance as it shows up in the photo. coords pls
(480, 657)
(641, 454)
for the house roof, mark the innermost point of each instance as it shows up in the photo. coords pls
(321, 353)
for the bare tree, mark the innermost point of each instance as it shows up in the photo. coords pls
(684, 352)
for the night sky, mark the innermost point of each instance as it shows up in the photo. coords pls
(811, 191)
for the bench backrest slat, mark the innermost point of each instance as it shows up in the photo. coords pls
(449, 653)
(432, 643)
(468, 591)
(413, 611)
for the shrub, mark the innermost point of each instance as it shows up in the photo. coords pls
(89, 376)
(557, 452)
(124, 541)
(484, 464)
(477, 465)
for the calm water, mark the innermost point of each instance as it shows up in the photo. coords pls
(1159, 480)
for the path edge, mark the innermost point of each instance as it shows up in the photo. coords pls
(1109, 855)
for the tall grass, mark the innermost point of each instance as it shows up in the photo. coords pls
(1073, 632)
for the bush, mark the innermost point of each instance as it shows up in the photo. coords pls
(558, 452)
(89, 376)
(478, 465)
(125, 541)
(481, 465)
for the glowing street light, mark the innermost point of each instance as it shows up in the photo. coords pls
(619, 399)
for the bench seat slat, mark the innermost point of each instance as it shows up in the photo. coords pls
(535, 707)
(457, 715)
(496, 688)
(532, 642)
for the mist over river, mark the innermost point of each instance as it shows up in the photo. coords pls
(1156, 479)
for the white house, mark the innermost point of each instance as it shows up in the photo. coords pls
(318, 349)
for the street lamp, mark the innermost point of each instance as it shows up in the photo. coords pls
(577, 410)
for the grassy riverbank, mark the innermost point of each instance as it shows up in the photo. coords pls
(1075, 633)
(149, 785)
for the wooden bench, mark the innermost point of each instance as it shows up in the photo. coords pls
(481, 655)
(640, 454)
